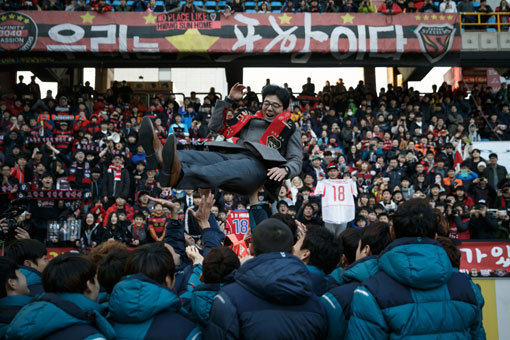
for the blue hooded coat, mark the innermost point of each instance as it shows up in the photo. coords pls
(337, 301)
(9, 307)
(33, 280)
(416, 295)
(272, 298)
(140, 308)
(61, 316)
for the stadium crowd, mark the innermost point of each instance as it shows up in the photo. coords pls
(290, 6)
(157, 261)
(396, 145)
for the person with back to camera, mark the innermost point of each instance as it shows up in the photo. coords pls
(416, 292)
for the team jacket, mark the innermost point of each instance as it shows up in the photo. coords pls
(416, 294)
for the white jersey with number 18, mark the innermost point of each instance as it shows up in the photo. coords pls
(337, 199)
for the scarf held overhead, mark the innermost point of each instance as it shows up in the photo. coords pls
(116, 170)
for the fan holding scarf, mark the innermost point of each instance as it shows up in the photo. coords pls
(267, 149)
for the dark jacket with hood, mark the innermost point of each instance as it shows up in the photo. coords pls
(272, 298)
(140, 308)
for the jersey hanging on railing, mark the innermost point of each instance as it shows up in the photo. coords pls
(238, 223)
(337, 200)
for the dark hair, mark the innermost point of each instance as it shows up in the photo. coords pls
(218, 263)
(111, 268)
(280, 203)
(68, 273)
(289, 221)
(7, 271)
(415, 218)
(21, 250)
(279, 91)
(377, 236)
(271, 236)
(451, 250)
(349, 239)
(139, 214)
(324, 250)
(154, 260)
(110, 219)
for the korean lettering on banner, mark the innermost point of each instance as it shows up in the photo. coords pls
(485, 258)
(71, 38)
(238, 223)
(286, 39)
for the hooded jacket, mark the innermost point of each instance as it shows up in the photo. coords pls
(416, 295)
(272, 298)
(9, 307)
(140, 308)
(33, 280)
(337, 301)
(61, 316)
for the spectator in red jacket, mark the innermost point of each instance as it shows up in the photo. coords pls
(389, 7)
(120, 204)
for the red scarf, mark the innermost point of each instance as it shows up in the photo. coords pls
(117, 170)
(273, 133)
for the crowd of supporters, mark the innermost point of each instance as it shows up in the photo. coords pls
(75, 160)
(158, 262)
(290, 6)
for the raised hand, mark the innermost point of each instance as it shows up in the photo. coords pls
(237, 92)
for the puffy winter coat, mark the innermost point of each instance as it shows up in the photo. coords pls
(337, 301)
(33, 280)
(9, 307)
(272, 298)
(140, 308)
(61, 316)
(416, 295)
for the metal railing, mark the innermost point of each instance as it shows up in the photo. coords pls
(473, 21)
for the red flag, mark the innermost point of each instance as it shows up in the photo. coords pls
(458, 156)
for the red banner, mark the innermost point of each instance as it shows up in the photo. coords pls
(427, 38)
(54, 252)
(485, 258)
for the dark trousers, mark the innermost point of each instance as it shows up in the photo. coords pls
(241, 173)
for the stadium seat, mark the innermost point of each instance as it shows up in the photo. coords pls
(276, 10)
(222, 3)
(130, 3)
(210, 4)
(115, 3)
(250, 5)
(160, 3)
(436, 3)
(251, 11)
(182, 3)
(275, 5)
(476, 4)
(198, 3)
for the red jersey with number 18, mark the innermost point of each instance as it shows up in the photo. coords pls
(238, 223)
(337, 199)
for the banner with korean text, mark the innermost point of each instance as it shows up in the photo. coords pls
(301, 38)
(484, 259)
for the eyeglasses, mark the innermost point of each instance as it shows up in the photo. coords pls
(275, 106)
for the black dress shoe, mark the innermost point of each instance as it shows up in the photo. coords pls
(150, 143)
(171, 168)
